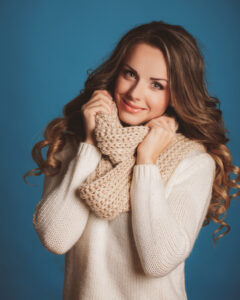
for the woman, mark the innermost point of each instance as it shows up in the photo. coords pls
(134, 169)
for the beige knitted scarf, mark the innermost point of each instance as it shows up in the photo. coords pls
(107, 189)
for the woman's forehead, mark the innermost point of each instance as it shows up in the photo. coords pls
(146, 59)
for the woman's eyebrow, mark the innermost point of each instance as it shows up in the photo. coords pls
(150, 77)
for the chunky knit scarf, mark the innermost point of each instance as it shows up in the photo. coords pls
(107, 190)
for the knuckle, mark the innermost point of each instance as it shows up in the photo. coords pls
(96, 92)
(107, 101)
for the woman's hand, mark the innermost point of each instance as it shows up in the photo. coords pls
(100, 100)
(160, 136)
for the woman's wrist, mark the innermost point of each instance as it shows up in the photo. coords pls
(144, 160)
(89, 141)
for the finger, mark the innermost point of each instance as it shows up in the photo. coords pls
(101, 97)
(108, 95)
(174, 125)
(171, 123)
(156, 122)
(100, 104)
(164, 123)
(97, 108)
(109, 100)
(104, 92)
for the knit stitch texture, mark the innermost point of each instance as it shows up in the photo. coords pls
(138, 255)
(107, 190)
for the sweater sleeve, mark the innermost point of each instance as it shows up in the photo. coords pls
(166, 221)
(60, 216)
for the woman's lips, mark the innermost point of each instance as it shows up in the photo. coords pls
(130, 108)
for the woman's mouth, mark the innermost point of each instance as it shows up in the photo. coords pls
(129, 108)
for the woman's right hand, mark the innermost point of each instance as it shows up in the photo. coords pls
(101, 100)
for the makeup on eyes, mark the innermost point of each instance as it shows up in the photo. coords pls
(152, 78)
(126, 71)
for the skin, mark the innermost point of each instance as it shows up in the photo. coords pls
(134, 84)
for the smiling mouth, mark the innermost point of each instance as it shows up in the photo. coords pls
(131, 105)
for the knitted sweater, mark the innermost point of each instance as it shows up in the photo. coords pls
(140, 255)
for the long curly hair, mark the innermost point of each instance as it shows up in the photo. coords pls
(198, 114)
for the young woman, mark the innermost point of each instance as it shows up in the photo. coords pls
(134, 169)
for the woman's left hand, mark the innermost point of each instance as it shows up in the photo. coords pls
(160, 136)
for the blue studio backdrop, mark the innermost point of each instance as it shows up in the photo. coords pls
(46, 49)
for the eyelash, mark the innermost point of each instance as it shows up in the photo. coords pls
(129, 71)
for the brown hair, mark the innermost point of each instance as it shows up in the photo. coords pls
(195, 110)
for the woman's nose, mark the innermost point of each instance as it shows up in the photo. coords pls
(137, 90)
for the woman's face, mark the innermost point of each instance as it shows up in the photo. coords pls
(142, 82)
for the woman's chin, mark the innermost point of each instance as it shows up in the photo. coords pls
(125, 124)
(125, 119)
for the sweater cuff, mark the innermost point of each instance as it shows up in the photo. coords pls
(146, 173)
(87, 149)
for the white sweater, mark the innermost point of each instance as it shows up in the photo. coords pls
(140, 255)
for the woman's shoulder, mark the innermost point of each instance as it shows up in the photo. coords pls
(72, 148)
(194, 161)
(67, 152)
(198, 156)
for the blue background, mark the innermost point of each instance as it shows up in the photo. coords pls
(46, 49)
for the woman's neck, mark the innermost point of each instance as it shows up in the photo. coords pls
(124, 124)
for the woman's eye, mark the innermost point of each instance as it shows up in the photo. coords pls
(159, 85)
(128, 72)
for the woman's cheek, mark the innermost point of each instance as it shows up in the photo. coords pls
(123, 86)
(159, 105)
